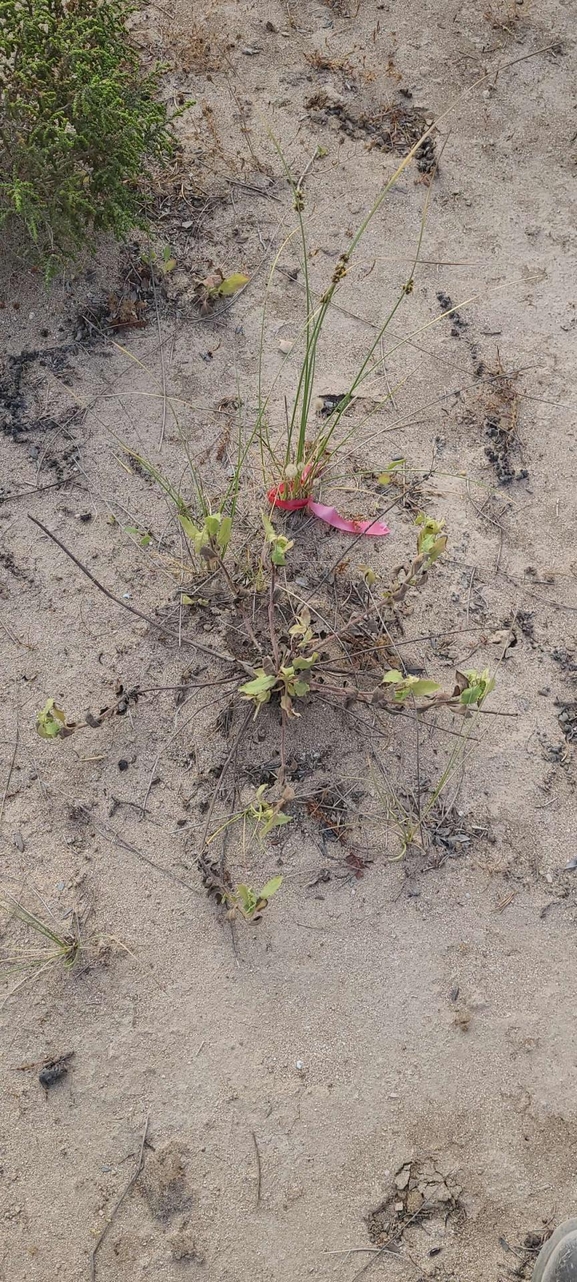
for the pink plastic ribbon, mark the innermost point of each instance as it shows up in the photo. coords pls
(324, 513)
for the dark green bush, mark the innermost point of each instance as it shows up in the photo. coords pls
(78, 118)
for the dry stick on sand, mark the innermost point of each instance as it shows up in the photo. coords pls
(153, 623)
(118, 1204)
(10, 769)
(162, 363)
(258, 1169)
(115, 836)
(227, 763)
(179, 730)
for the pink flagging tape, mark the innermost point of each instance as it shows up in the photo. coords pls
(328, 514)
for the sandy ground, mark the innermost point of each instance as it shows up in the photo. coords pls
(422, 1012)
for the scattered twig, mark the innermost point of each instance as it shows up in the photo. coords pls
(118, 1204)
(10, 769)
(492, 521)
(166, 745)
(162, 364)
(258, 1169)
(153, 623)
(107, 831)
(227, 763)
(471, 581)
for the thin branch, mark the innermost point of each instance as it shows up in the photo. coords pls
(227, 763)
(153, 623)
(118, 1204)
(162, 365)
(10, 769)
(258, 1169)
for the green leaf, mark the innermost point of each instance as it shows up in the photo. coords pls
(301, 687)
(392, 677)
(304, 665)
(279, 819)
(424, 687)
(368, 575)
(473, 694)
(212, 524)
(480, 685)
(231, 285)
(224, 533)
(269, 529)
(271, 887)
(247, 898)
(437, 548)
(168, 262)
(260, 686)
(198, 537)
(386, 475)
(50, 721)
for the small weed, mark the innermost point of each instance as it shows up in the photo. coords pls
(51, 721)
(165, 263)
(239, 900)
(55, 947)
(211, 539)
(264, 815)
(279, 545)
(252, 903)
(287, 683)
(217, 286)
(286, 679)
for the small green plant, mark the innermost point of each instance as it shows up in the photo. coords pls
(406, 686)
(216, 286)
(287, 683)
(278, 543)
(267, 814)
(143, 536)
(211, 539)
(387, 477)
(56, 946)
(165, 263)
(470, 690)
(251, 903)
(431, 544)
(263, 814)
(78, 117)
(51, 722)
(473, 687)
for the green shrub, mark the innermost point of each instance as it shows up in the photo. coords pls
(77, 119)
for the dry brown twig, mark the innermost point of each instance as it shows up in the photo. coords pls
(118, 1204)
(153, 623)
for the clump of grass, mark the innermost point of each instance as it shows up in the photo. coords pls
(312, 438)
(47, 946)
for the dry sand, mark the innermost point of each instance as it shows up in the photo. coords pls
(423, 1012)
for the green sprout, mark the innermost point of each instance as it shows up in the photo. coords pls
(278, 543)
